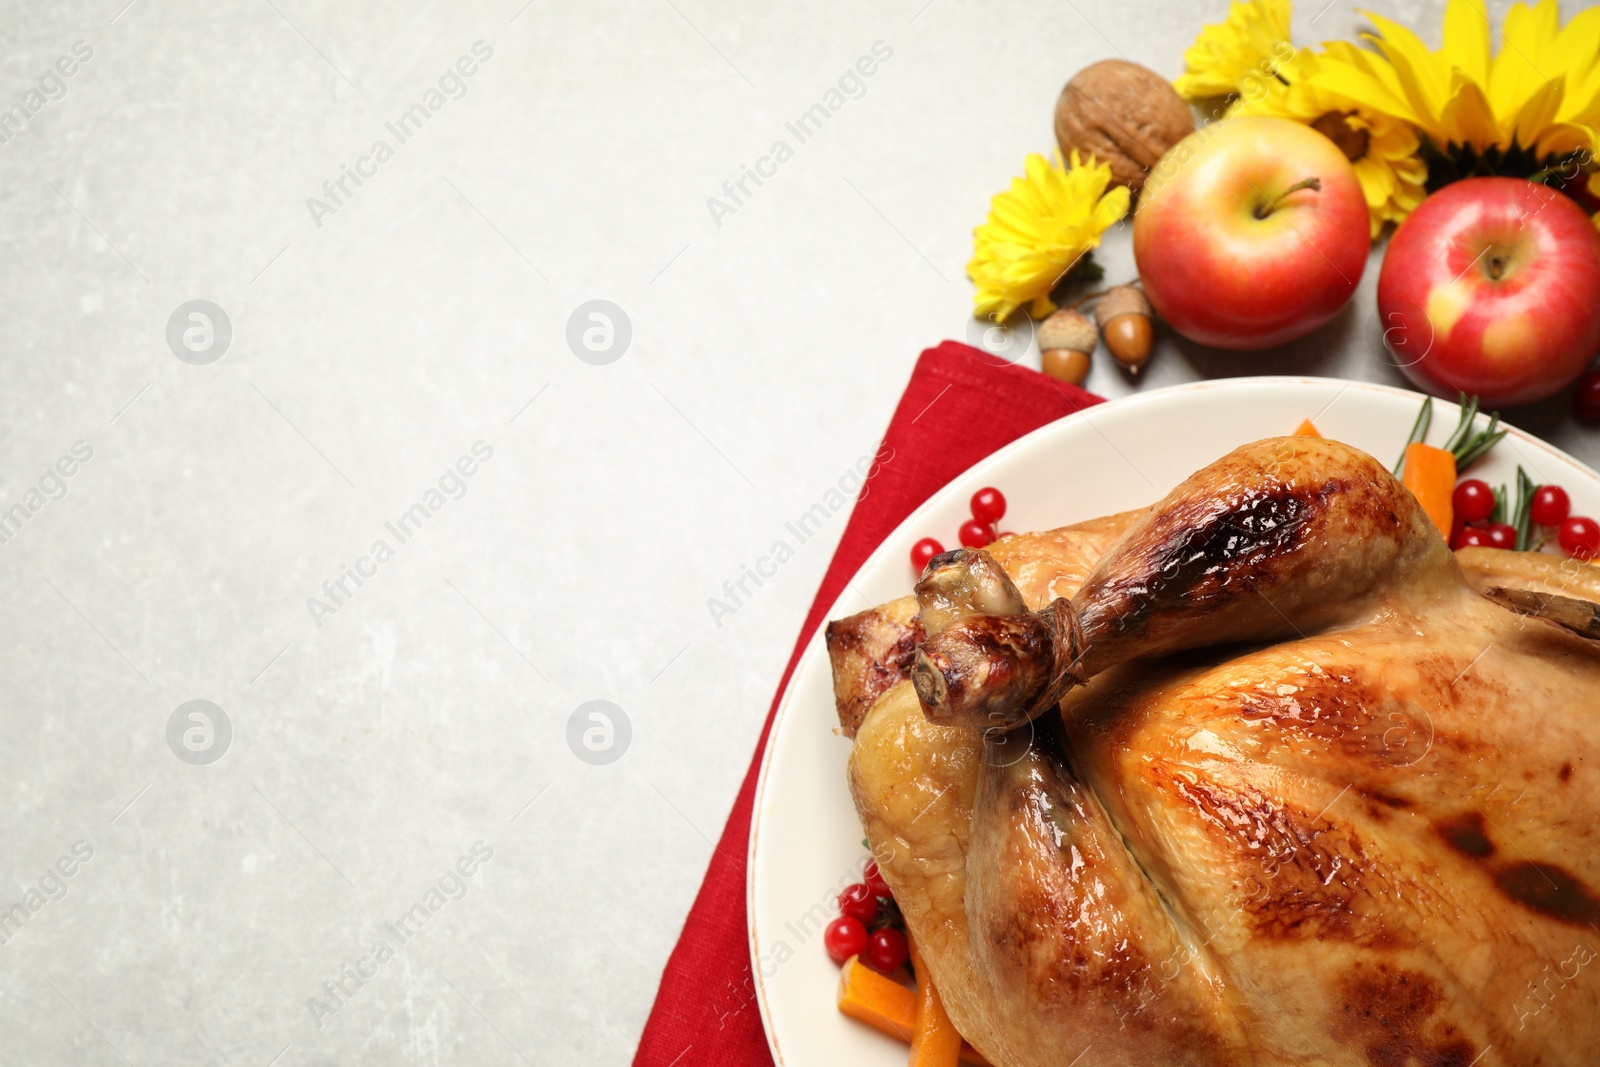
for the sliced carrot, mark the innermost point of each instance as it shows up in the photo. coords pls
(885, 1005)
(880, 1002)
(1306, 429)
(934, 1042)
(1430, 474)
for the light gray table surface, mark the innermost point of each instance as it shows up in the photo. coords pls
(376, 339)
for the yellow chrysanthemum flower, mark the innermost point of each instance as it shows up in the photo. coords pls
(1226, 53)
(1037, 230)
(1540, 94)
(1383, 149)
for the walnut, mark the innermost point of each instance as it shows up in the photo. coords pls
(1124, 114)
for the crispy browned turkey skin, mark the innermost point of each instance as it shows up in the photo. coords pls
(1309, 798)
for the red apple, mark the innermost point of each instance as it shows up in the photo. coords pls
(1251, 232)
(1492, 287)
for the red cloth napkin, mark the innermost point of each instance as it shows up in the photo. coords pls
(960, 405)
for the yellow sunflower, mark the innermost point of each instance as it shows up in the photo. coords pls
(1037, 230)
(1383, 149)
(1540, 94)
(1226, 53)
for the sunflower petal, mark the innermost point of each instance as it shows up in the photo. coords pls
(1537, 114)
(1362, 88)
(1564, 139)
(1574, 50)
(1423, 76)
(1467, 118)
(1466, 39)
(1513, 77)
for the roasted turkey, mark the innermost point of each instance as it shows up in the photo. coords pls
(1261, 775)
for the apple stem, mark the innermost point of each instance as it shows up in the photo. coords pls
(1272, 205)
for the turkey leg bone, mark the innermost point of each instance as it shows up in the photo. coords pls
(1280, 537)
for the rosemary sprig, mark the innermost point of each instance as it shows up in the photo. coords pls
(1467, 446)
(1469, 411)
(1419, 430)
(1479, 446)
(1499, 513)
(1522, 517)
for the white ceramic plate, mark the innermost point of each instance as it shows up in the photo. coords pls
(805, 842)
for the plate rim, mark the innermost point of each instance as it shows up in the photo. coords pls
(815, 643)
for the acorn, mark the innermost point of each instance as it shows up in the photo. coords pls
(1066, 340)
(1125, 319)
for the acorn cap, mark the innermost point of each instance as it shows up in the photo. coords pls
(1122, 300)
(1068, 329)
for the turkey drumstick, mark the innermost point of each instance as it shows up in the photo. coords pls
(1280, 537)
